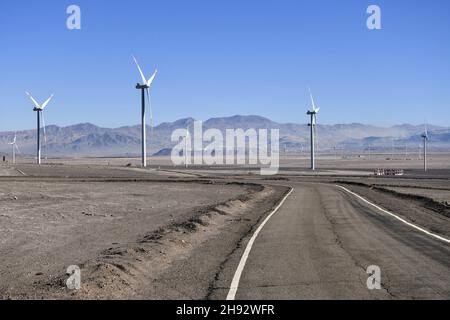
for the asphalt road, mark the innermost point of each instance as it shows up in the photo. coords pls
(320, 243)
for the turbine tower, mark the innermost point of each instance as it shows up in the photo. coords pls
(14, 147)
(186, 154)
(425, 142)
(313, 114)
(39, 109)
(145, 87)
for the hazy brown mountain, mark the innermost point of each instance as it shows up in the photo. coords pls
(90, 140)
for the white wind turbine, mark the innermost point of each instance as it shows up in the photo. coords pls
(39, 109)
(425, 142)
(187, 153)
(145, 87)
(313, 113)
(14, 147)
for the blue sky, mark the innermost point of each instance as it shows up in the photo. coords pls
(221, 58)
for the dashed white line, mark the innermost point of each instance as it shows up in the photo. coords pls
(237, 275)
(397, 217)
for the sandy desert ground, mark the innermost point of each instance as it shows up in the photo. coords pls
(176, 233)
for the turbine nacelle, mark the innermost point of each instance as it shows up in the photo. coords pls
(141, 86)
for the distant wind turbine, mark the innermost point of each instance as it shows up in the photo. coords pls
(186, 154)
(313, 113)
(425, 142)
(39, 109)
(14, 147)
(145, 87)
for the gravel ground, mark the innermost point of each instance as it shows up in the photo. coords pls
(437, 195)
(47, 226)
(158, 232)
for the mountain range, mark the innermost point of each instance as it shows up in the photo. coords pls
(90, 140)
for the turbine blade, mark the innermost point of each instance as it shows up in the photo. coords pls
(17, 147)
(144, 81)
(32, 99)
(149, 82)
(312, 100)
(46, 102)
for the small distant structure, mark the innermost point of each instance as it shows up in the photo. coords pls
(39, 109)
(425, 142)
(14, 147)
(313, 113)
(389, 172)
(145, 88)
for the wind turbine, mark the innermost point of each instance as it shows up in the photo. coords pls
(313, 113)
(425, 142)
(39, 109)
(14, 147)
(187, 136)
(145, 87)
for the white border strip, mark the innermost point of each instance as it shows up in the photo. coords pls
(397, 217)
(237, 276)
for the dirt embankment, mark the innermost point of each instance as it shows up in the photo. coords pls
(135, 271)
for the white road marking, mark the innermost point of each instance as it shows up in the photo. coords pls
(237, 276)
(397, 217)
(21, 172)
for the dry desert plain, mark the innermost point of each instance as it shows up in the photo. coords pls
(174, 233)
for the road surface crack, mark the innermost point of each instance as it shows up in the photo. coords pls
(340, 244)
